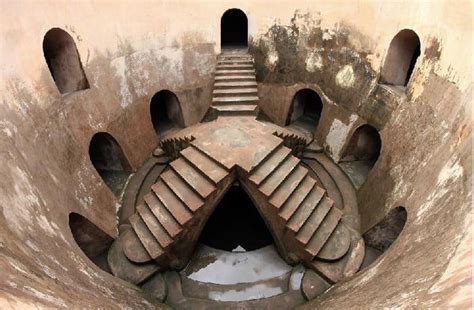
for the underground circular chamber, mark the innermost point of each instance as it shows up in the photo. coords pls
(222, 156)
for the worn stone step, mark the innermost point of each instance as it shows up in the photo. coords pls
(234, 66)
(297, 198)
(313, 222)
(145, 236)
(165, 218)
(193, 177)
(172, 203)
(288, 186)
(234, 78)
(269, 164)
(312, 201)
(236, 110)
(337, 245)
(235, 91)
(208, 167)
(133, 248)
(160, 234)
(234, 57)
(236, 72)
(236, 61)
(235, 85)
(235, 99)
(279, 175)
(182, 190)
(324, 231)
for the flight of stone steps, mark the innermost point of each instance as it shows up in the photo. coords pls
(304, 207)
(170, 212)
(235, 88)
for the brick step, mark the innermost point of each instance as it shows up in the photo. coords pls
(278, 175)
(235, 84)
(238, 66)
(236, 110)
(236, 61)
(232, 78)
(207, 166)
(235, 72)
(235, 91)
(235, 99)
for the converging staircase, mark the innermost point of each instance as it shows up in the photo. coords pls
(169, 217)
(308, 217)
(235, 87)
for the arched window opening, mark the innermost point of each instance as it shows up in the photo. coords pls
(166, 114)
(234, 29)
(236, 224)
(361, 154)
(63, 61)
(401, 58)
(305, 110)
(109, 160)
(94, 242)
(381, 236)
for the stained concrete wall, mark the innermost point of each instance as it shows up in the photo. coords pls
(132, 49)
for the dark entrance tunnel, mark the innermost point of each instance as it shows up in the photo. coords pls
(234, 29)
(236, 222)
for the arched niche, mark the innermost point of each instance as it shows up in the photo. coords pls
(305, 110)
(234, 29)
(63, 61)
(401, 58)
(109, 160)
(383, 234)
(361, 153)
(94, 242)
(165, 111)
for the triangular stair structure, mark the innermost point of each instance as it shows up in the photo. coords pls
(304, 215)
(170, 219)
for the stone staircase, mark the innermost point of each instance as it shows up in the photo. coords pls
(169, 218)
(306, 213)
(235, 88)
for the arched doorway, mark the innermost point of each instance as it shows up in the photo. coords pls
(165, 111)
(402, 55)
(383, 234)
(91, 239)
(305, 110)
(361, 153)
(109, 160)
(234, 29)
(63, 61)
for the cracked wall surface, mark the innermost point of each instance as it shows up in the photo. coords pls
(130, 51)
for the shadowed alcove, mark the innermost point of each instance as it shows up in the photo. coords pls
(63, 61)
(401, 58)
(94, 242)
(165, 110)
(361, 153)
(305, 110)
(234, 29)
(109, 160)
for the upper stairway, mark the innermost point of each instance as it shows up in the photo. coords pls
(235, 87)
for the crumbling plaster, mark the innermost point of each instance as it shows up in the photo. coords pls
(131, 50)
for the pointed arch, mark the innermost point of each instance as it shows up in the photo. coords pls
(64, 63)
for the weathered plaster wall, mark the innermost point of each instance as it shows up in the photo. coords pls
(132, 49)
